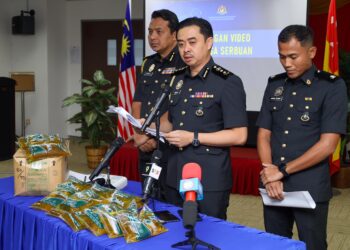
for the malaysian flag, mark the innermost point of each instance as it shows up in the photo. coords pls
(127, 75)
(331, 65)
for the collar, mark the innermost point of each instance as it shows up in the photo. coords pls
(307, 78)
(204, 72)
(170, 57)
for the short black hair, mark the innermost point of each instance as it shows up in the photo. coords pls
(302, 33)
(204, 26)
(169, 16)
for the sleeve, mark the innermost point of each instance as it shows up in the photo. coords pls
(265, 118)
(139, 90)
(233, 103)
(334, 109)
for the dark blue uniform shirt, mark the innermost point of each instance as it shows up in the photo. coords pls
(211, 101)
(156, 73)
(297, 112)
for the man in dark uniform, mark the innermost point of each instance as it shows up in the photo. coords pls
(155, 74)
(301, 119)
(207, 115)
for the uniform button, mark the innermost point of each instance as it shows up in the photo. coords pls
(307, 107)
(190, 89)
(181, 149)
(181, 124)
(149, 103)
(284, 145)
(144, 81)
(171, 101)
(282, 158)
(166, 80)
(185, 100)
(274, 108)
(156, 81)
(289, 118)
(159, 70)
(183, 112)
(146, 115)
(201, 102)
(286, 132)
(291, 105)
(207, 149)
(294, 93)
(152, 92)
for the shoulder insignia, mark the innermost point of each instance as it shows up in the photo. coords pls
(326, 76)
(278, 77)
(220, 71)
(180, 70)
(143, 63)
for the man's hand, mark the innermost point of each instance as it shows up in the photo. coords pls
(275, 190)
(270, 173)
(148, 146)
(179, 138)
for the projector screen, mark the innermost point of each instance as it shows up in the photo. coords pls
(245, 35)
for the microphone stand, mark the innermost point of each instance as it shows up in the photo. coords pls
(193, 241)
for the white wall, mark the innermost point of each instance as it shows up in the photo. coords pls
(47, 54)
(5, 42)
(90, 10)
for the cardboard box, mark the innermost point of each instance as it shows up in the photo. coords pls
(39, 177)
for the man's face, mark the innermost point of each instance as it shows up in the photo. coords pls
(160, 39)
(295, 58)
(194, 49)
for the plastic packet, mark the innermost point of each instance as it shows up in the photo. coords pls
(133, 228)
(108, 215)
(147, 216)
(51, 201)
(102, 192)
(91, 218)
(123, 200)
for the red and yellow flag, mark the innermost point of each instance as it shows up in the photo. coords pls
(331, 65)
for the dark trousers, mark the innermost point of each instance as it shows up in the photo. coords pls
(311, 223)
(214, 204)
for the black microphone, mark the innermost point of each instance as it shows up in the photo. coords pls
(156, 108)
(115, 145)
(189, 214)
(153, 175)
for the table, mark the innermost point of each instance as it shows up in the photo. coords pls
(24, 228)
(246, 167)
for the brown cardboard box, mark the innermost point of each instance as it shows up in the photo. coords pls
(39, 177)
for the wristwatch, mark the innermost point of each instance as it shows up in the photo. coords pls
(195, 142)
(282, 169)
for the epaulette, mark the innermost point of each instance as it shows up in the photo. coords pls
(180, 70)
(220, 71)
(326, 76)
(144, 61)
(278, 77)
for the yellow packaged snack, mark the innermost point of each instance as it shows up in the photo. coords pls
(69, 218)
(51, 201)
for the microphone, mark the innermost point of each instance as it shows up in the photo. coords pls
(191, 189)
(153, 175)
(115, 145)
(157, 106)
(190, 186)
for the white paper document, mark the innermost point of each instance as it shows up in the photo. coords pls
(134, 122)
(119, 182)
(301, 199)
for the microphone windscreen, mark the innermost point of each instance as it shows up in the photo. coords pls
(189, 214)
(191, 170)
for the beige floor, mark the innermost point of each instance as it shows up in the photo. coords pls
(243, 209)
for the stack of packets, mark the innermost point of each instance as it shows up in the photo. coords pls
(101, 210)
(41, 146)
(40, 164)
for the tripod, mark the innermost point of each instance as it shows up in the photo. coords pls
(193, 241)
